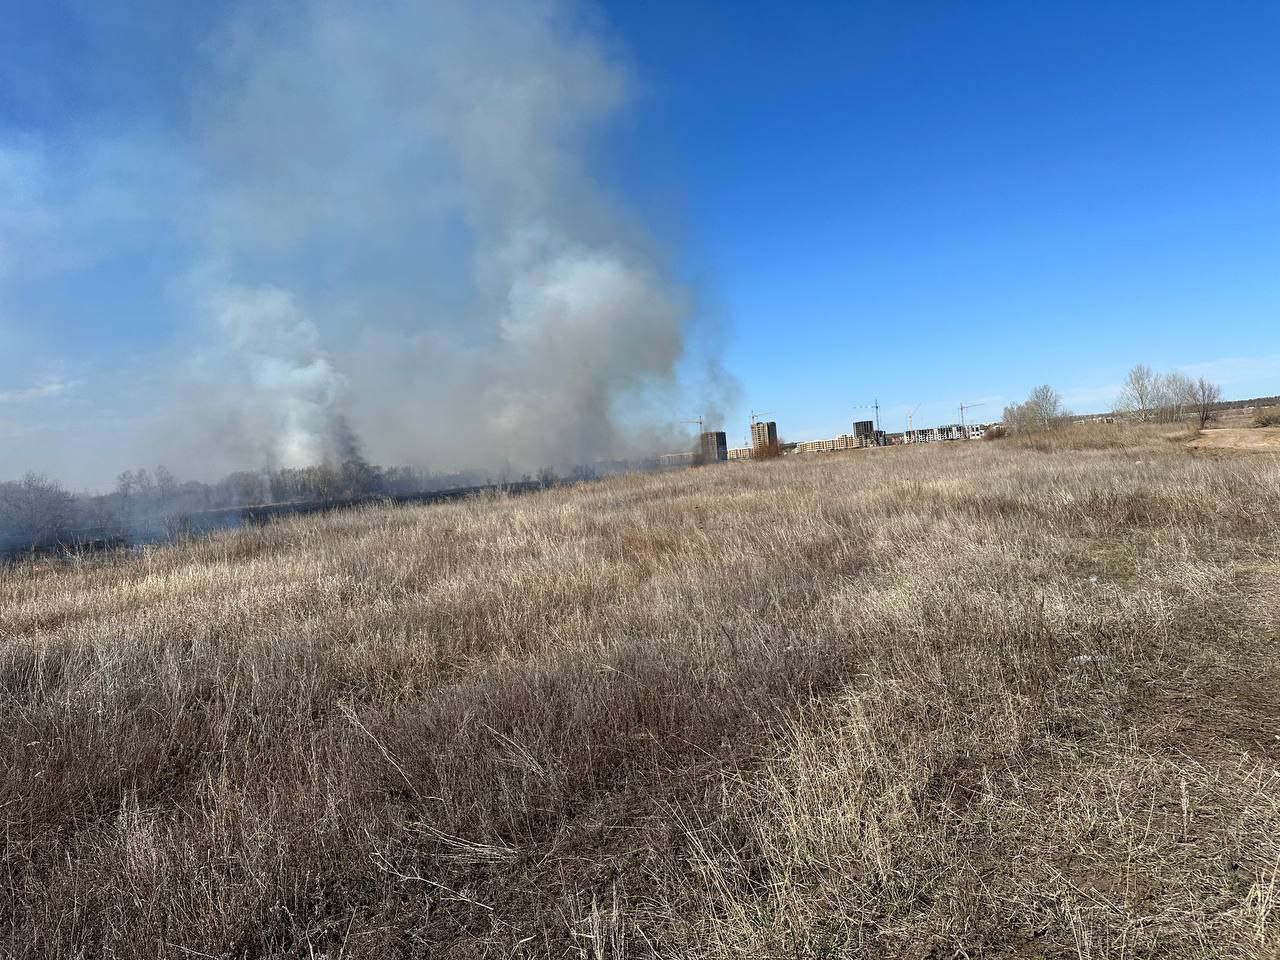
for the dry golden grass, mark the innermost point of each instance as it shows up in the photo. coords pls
(985, 699)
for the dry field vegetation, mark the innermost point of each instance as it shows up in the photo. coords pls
(984, 699)
(1241, 431)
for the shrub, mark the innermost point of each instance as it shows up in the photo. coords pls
(1267, 417)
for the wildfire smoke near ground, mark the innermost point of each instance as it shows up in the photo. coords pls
(386, 216)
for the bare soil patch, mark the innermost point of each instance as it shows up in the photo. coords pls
(1229, 440)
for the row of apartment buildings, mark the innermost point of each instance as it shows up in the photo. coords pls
(952, 431)
(713, 446)
(864, 434)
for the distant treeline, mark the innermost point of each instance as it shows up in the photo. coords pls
(1242, 404)
(38, 513)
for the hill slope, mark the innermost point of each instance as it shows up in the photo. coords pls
(978, 699)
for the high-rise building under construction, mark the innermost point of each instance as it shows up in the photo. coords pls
(713, 446)
(764, 438)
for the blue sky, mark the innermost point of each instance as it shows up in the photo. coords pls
(931, 203)
(921, 203)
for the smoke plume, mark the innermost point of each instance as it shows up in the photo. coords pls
(289, 383)
(388, 220)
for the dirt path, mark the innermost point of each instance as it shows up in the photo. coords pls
(1229, 440)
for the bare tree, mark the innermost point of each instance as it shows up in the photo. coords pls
(1207, 397)
(166, 483)
(1175, 396)
(1148, 396)
(34, 512)
(1140, 395)
(247, 487)
(1042, 410)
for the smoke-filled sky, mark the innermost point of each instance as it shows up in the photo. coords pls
(538, 231)
(227, 234)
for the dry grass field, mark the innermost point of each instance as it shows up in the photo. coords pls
(988, 699)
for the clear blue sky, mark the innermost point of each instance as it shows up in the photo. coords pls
(924, 203)
(940, 202)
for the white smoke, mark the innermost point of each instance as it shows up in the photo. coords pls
(293, 387)
(534, 326)
(389, 215)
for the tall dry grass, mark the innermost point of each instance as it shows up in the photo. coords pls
(918, 702)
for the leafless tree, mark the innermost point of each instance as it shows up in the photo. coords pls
(1175, 396)
(1140, 395)
(1207, 397)
(1148, 396)
(34, 511)
(1042, 410)
(1044, 407)
(166, 483)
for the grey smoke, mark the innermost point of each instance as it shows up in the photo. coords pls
(392, 226)
(490, 305)
(291, 383)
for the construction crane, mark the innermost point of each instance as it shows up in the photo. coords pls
(912, 414)
(963, 408)
(698, 422)
(756, 416)
(874, 405)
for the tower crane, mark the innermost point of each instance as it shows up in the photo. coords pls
(912, 414)
(874, 405)
(963, 408)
